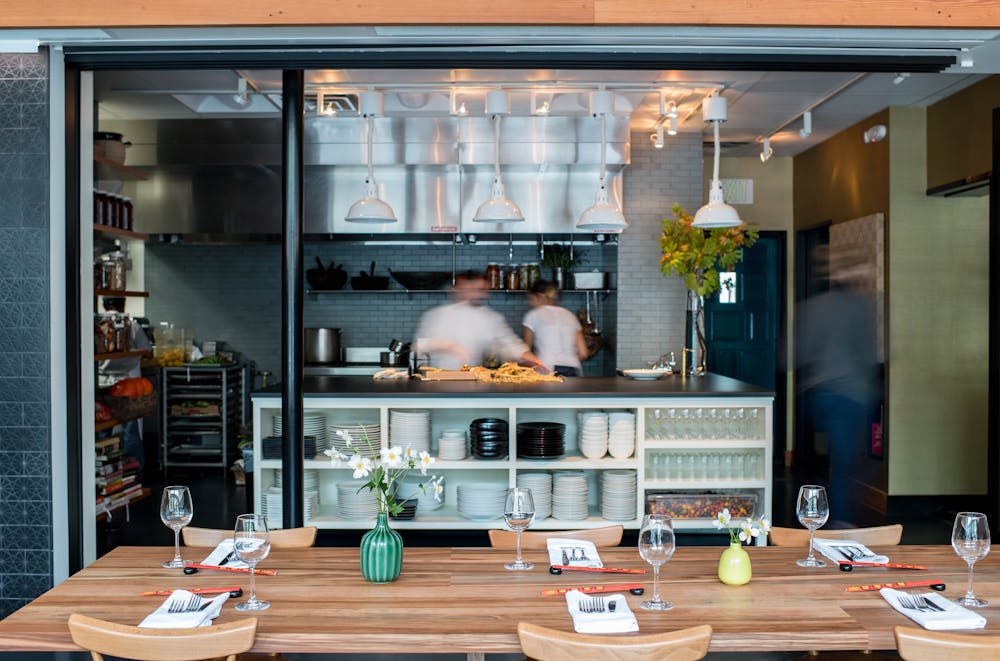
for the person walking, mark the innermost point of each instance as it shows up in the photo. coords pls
(553, 332)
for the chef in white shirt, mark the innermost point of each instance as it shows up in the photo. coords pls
(466, 331)
(554, 332)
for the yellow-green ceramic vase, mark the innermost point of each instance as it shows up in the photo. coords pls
(734, 565)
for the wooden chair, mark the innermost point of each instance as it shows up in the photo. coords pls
(544, 644)
(921, 645)
(100, 637)
(288, 538)
(876, 536)
(507, 539)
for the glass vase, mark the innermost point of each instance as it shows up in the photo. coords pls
(734, 565)
(381, 552)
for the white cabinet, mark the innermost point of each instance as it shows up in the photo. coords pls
(696, 458)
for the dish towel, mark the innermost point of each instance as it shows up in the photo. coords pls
(621, 620)
(222, 551)
(845, 549)
(952, 617)
(161, 618)
(573, 552)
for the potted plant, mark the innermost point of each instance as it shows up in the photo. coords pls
(559, 258)
(698, 256)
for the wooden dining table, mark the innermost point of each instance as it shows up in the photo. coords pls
(463, 600)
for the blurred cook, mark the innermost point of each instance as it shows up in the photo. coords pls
(554, 332)
(465, 331)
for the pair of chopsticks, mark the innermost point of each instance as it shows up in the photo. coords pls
(848, 565)
(233, 590)
(593, 589)
(934, 584)
(241, 570)
(558, 569)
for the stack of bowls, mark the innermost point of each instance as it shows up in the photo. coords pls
(621, 434)
(481, 501)
(570, 492)
(409, 511)
(452, 445)
(540, 485)
(593, 427)
(618, 493)
(489, 438)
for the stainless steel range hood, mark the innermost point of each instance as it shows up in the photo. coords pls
(223, 176)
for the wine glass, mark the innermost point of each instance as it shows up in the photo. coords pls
(656, 546)
(251, 544)
(518, 513)
(176, 511)
(813, 510)
(971, 540)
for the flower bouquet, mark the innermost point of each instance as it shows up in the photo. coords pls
(734, 565)
(745, 531)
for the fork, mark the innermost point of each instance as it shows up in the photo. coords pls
(190, 606)
(917, 603)
(592, 605)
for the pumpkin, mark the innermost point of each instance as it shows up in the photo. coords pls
(133, 387)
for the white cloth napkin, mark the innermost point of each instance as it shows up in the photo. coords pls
(622, 619)
(221, 552)
(829, 548)
(578, 552)
(161, 618)
(953, 616)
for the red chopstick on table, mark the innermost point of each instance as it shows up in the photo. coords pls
(899, 584)
(241, 570)
(848, 564)
(606, 570)
(167, 593)
(591, 589)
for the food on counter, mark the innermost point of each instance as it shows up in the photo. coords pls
(132, 387)
(701, 505)
(392, 373)
(170, 357)
(102, 413)
(510, 373)
(210, 360)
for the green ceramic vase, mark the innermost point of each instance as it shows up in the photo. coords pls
(734, 565)
(381, 552)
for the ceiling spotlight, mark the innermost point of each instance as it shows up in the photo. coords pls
(241, 98)
(543, 109)
(766, 152)
(672, 130)
(329, 110)
(875, 133)
(657, 137)
(602, 216)
(457, 107)
(672, 110)
(716, 213)
(900, 77)
(370, 208)
(807, 125)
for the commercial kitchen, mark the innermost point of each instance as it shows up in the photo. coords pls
(204, 182)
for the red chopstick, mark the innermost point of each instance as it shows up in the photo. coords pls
(167, 593)
(899, 584)
(846, 565)
(606, 570)
(241, 570)
(591, 589)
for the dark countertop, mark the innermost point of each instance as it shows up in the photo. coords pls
(708, 385)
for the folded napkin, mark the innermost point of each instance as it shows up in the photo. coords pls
(845, 549)
(573, 552)
(618, 621)
(161, 618)
(952, 617)
(222, 551)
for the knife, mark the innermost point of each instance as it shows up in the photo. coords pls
(593, 589)
(231, 556)
(243, 570)
(558, 569)
(933, 584)
(848, 565)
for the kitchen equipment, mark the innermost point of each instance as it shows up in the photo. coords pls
(326, 278)
(417, 280)
(110, 146)
(322, 345)
(589, 279)
(394, 358)
(370, 281)
(396, 345)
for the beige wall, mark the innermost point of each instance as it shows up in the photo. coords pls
(958, 133)
(938, 287)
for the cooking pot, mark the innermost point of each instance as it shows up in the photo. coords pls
(110, 146)
(394, 358)
(322, 345)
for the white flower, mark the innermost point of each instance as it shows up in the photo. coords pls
(748, 531)
(425, 460)
(765, 525)
(361, 465)
(336, 457)
(392, 457)
(409, 453)
(722, 519)
(438, 489)
(343, 433)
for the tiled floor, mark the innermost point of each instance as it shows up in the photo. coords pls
(211, 511)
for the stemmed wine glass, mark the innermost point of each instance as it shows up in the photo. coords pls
(656, 546)
(251, 543)
(518, 513)
(971, 540)
(813, 510)
(176, 511)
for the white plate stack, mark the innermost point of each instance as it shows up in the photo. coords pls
(426, 502)
(310, 480)
(481, 501)
(452, 445)
(354, 504)
(357, 434)
(593, 427)
(569, 495)
(621, 434)
(271, 508)
(313, 424)
(540, 485)
(618, 492)
(410, 429)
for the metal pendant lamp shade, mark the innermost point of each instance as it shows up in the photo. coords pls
(716, 213)
(602, 216)
(499, 208)
(370, 208)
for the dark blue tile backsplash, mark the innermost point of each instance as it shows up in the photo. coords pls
(25, 451)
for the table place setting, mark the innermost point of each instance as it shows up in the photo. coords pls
(566, 552)
(933, 611)
(185, 610)
(600, 614)
(224, 555)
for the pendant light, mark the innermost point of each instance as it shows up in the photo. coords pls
(497, 209)
(716, 213)
(602, 216)
(370, 209)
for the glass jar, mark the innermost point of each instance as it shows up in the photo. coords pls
(513, 277)
(104, 333)
(494, 279)
(524, 274)
(535, 274)
(123, 332)
(127, 208)
(117, 271)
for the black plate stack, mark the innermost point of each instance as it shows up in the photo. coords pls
(489, 438)
(541, 440)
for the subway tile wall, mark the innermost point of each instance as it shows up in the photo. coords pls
(233, 292)
(25, 453)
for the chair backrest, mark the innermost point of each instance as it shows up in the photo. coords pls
(287, 538)
(601, 537)
(920, 645)
(545, 644)
(101, 637)
(876, 536)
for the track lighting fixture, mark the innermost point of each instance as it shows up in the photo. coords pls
(672, 130)
(807, 125)
(657, 137)
(766, 152)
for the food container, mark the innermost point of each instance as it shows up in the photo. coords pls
(702, 505)
(589, 280)
(322, 345)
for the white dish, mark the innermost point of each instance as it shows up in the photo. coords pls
(644, 375)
